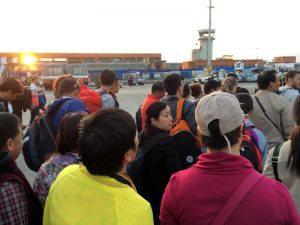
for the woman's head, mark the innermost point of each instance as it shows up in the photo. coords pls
(229, 85)
(159, 116)
(196, 90)
(186, 91)
(67, 139)
(107, 141)
(10, 134)
(294, 157)
(246, 102)
(219, 117)
(296, 110)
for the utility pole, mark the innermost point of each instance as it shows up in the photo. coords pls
(209, 47)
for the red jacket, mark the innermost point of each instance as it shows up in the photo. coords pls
(147, 102)
(196, 195)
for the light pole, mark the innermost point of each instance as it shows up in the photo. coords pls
(209, 49)
(256, 55)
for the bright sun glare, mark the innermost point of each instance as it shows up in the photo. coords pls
(28, 59)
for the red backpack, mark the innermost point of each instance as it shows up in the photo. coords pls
(91, 99)
(250, 150)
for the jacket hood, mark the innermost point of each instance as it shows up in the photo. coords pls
(287, 88)
(4, 157)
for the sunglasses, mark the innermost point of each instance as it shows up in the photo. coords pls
(77, 86)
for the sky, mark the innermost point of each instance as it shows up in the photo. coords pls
(245, 29)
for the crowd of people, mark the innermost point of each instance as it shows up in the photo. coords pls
(207, 154)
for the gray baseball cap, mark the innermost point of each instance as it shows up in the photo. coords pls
(221, 106)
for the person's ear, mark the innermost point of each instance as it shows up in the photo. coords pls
(241, 129)
(9, 145)
(153, 122)
(129, 156)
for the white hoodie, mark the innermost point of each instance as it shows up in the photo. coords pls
(289, 92)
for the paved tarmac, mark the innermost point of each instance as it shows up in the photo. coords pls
(130, 98)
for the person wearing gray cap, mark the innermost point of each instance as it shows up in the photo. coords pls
(223, 187)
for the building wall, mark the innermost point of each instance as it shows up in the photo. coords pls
(285, 59)
(220, 62)
(88, 57)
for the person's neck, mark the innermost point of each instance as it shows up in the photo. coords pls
(270, 89)
(178, 95)
(71, 95)
(2, 95)
(289, 85)
(235, 150)
(105, 88)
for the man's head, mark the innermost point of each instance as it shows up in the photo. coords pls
(69, 87)
(211, 86)
(107, 78)
(292, 79)
(108, 141)
(116, 87)
(34, 79)
(173, 84)
(158, 89)
(57, 82)
(10, 88)
(268, 80)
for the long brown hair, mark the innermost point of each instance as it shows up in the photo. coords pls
(294, 157)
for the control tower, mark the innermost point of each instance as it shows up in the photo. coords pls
(203, 51)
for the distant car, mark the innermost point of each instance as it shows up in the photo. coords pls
(138, 81)
(199, 79)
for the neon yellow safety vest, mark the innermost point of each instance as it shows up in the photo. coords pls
(79, 198)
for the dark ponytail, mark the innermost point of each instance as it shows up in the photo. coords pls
(216, 140)
(294, 157)
(246, 102)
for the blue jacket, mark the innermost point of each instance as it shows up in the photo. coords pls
(72, 105)
(262, 140)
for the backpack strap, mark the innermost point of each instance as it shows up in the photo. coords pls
(266, 115)
(50, 129)
(236, 198)
(275, 160)
(179, 108)
(102, 92)
(52, 110)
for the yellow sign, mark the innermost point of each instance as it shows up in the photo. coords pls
(209, 67)
(146, 60)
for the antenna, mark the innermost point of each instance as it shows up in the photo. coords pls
(209, 47)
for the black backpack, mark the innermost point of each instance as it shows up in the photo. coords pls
(135, 168)
(188, 144)
(275, 157)
(251, 152)
(138, 118)
(40, 139)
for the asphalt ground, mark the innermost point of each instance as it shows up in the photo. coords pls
(130, 98)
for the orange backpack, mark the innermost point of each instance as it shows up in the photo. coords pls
(188, 144)
(180, 124)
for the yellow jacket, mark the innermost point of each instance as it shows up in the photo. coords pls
(77, 197)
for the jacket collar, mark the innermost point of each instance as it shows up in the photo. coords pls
(221, 162)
